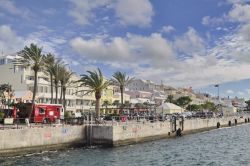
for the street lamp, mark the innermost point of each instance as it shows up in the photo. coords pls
(218, 88)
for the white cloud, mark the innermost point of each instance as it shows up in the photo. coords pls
(241, 93)
(130, 12)
(137, 13)
(238, 1)
(46, 39)
(248, 91)
(213, 21)
(82, 10)
(10, 7)
(159, 61)
(9, 41)
(190, 42)
(167, 29)
(128, 49)
(240, 13)
(229, 91)
(97, 49)
(245, 32)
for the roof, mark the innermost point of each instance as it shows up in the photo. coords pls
(170, 106)
(140, 100)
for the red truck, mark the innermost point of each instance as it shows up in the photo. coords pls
(41, 113)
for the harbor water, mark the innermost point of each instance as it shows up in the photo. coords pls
(225, 146)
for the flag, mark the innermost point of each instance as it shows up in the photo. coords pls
(217, 85)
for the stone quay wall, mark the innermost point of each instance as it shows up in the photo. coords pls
(37, 139)
(127, 133)
(14, 141)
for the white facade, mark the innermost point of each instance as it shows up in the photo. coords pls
(22, 79)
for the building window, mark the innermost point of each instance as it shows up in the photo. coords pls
(46, 89)
(41, 111)
(40, 89)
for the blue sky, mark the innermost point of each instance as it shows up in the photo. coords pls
(195, 43)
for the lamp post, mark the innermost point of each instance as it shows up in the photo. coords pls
(218, 91)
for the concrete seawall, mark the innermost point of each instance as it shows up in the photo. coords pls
(14, 141)
(123, 134)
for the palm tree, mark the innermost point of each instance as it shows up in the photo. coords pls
(32, 56)
(64, 77)
(61, 73)
(49, 67)
(55, 71)
(95, 81)
(120, 79)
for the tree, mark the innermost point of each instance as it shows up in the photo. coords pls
(56, 76)
(183, 101)
(127, 104)
(106, 103)
(3, 89)
(121, 79)
(194, 107)
(95, 81)
(170, 99)
(146, 105)
(32, 56)
(116, 103)
(64, 77)
(209, 106)
(49, 67)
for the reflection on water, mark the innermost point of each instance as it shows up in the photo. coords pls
(227, 146)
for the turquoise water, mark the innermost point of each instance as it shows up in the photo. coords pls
(227, 146)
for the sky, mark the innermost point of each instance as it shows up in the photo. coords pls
(191, 43)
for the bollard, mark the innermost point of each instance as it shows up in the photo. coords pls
(218, 125)
(248, 119)
(245, 120)
(235, 121)
(178, 132)
(229, 123)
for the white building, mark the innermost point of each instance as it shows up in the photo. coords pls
(22, 79)
(140, 85)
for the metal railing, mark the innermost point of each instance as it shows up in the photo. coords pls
(21, 123)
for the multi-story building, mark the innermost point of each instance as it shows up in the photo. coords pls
(22, 80)
(142, 85)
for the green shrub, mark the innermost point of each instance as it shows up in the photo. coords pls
(1, 116)
(67, 114)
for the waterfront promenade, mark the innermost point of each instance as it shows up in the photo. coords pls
(36, 138)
